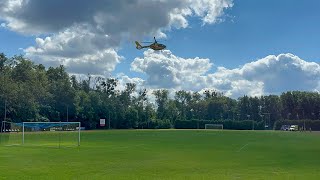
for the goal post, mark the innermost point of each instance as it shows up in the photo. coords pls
(213, 126)
(11, 133)
(43, 133)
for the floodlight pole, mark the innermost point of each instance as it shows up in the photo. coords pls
(109, 120)
(79, 133)
(60, 133)
(191, 110)
(3, 126)
(252, 124)
(5, 115)
(268, 119)
(5, 110)
(304, 120)
(67, 113)
(22, 133)
(264, 120)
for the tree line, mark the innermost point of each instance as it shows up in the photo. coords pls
(31, 92)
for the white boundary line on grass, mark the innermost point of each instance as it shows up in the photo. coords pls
(243, 147)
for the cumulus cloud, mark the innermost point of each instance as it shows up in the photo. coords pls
(279, 73)
(99, 63)
(108, 16)
(166, 70)
(208, 11)
(78, 49)
(87, 33)
(124, 79)
(269, 75)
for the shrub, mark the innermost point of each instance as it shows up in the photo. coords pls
(227, 124)
(155, 124)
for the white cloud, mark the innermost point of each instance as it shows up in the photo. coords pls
(269, 75)
(80, 50)
(98, 63)
(124, 79)
(208, 11)
(85, 35)
(109, 16)
(166, 70)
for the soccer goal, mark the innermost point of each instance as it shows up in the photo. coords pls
(55, 134)
(213, 126)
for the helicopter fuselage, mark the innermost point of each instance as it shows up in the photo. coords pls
(157, 46)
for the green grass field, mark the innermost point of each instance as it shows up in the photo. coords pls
(170, 154)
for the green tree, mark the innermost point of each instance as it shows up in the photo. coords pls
(162, 99)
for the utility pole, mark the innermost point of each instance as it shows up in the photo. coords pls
(109, 119)
(67, 113)
(263, 120)
(304, 120)
(5, 116)
(5, 110)
(248, 117)
(252, 124)
(191, 111)
(268, 119)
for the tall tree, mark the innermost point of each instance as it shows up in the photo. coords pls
(162, 100)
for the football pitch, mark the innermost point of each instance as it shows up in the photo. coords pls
(170, 154)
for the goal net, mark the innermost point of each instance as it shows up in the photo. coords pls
(213, 126)
(11, 133)
(41, 133)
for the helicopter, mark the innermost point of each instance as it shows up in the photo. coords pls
(155, 45)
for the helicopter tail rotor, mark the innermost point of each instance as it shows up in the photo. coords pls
(138, 45)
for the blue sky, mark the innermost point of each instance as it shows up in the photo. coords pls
(250, 31)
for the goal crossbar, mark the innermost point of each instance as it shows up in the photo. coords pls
(213, 126)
